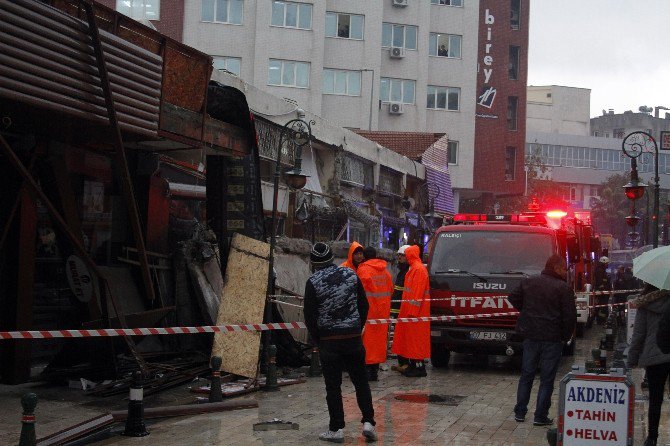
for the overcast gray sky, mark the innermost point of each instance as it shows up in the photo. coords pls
(620, 49)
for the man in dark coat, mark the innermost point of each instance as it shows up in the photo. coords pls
(336, 309)
(546, 322)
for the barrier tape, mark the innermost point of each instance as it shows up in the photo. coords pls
(115, 332)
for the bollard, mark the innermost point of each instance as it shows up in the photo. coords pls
(215, 393)
(28, 403)
(314, 364)
(552, 436)
(135, 426)
(271, 376)
(603, 359)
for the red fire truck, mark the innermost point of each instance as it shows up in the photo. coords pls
(478, 259)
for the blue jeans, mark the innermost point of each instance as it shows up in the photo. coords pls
(545, 355)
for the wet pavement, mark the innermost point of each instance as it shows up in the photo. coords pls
(468, 403)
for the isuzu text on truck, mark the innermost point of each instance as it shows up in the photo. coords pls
(478, 259)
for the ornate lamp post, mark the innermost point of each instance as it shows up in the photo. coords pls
(295, 133)
(633, 146)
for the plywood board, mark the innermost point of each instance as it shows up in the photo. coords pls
(242, 302)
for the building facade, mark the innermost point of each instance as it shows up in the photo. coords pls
(397, 65)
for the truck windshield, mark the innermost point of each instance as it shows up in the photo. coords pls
(486, 252)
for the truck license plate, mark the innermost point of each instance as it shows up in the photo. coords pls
(488, 335)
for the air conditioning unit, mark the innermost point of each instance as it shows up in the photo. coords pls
(397, 52)
(396, 108)
(400, 3)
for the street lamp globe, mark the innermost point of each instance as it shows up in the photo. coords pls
(634, 189)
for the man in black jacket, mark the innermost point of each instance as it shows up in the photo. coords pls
(336, 309)
(546, 322)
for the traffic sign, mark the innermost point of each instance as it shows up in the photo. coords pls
(595, 409)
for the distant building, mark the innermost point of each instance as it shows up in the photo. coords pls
(397, 65)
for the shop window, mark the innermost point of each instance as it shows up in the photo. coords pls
(345, 26)
(447, 2)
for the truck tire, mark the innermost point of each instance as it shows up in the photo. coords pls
(439, 356)
(580, 329)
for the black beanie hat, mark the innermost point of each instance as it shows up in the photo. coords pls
(321, 254)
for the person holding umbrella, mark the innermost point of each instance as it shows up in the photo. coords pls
(644, 350)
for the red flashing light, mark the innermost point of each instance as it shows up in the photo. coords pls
(556, 214)
(469, 217)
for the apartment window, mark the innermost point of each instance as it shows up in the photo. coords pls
(403, 36)
(222, 11)
(140, 9)
(619, 133)
(346, 26)
(288, 73)
(443, 98)
(514, 62)
(452, 152)
(512, 104)
(444, 45)
(230, 64)
(342, 82)
(515, 15)
(397, 90)
(510, 163)
(292, 15)
(447, 2)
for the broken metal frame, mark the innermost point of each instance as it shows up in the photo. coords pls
(76, 244)
(121, 159)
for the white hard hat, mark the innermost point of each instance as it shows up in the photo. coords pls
(604, 259)
(402, 249)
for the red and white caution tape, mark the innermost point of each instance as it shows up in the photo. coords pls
(115, 332)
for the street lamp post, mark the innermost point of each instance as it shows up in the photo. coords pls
(633, 146)
(296, 133)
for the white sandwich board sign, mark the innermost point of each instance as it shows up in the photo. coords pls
(595, 410)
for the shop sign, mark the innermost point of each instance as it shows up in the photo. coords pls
(595, 410)
(79, 278)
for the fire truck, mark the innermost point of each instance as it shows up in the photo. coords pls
(478, 259)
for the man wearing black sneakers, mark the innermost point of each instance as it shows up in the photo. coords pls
(546, 322)
(336, 309)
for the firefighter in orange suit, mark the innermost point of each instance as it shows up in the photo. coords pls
(355, 256)
(378, 286)
(412, 339)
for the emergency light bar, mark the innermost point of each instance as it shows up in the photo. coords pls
(530, 218)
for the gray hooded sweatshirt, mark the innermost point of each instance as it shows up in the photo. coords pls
(643, 348)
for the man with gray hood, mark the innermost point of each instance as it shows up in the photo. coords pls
(644, 352)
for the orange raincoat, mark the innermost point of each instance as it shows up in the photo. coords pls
(412, 339)
(378, 286)
(349, 263)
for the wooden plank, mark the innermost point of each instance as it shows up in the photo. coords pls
(242, 302)
(189, 409)
(77, 431)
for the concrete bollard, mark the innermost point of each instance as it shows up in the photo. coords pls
(135, 426)
(315, 364)
(271, 376)
(28, 403)
(215, 393)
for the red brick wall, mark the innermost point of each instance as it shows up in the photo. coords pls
(172, 17)
(492, 136)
